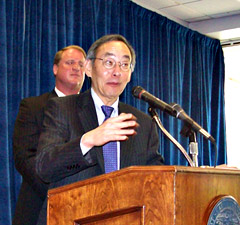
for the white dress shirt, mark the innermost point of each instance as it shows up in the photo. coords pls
(59, 93)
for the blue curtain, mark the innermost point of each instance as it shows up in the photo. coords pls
(174, 63)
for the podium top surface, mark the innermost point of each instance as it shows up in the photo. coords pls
(147, 169)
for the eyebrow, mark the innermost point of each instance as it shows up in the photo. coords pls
(75, 60)
(111, 54)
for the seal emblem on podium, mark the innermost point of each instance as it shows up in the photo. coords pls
(225, 211)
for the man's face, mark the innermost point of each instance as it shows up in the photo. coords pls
(70, 71)
(110, 83)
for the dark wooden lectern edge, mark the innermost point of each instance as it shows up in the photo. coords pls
(115, 213)
(133, 169)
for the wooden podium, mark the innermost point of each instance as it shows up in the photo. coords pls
(159, 195)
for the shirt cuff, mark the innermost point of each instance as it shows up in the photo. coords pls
(83, 148)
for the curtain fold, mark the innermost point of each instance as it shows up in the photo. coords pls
(5, 178)
(174, 63)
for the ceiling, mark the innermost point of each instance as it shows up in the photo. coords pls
(218, 19)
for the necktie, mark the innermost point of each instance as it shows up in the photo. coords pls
(110, 148)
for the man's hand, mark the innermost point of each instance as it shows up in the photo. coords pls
(113, 129)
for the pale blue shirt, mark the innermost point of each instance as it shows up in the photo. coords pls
(100, 115)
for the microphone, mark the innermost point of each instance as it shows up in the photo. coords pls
(182, 115)
(140, 93)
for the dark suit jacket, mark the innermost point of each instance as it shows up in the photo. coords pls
(25, 141)
(59, 157)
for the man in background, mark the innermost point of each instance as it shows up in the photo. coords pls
(69, 77)
(93, 133)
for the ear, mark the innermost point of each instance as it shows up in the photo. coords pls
(88, 67)
(55, 69)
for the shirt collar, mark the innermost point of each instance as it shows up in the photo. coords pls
(98, 102)
(59, 93)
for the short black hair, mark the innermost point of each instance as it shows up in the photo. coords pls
(92, 52)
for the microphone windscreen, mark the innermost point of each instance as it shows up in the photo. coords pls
(136, 91)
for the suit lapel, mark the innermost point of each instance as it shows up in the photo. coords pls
(126, 147)
(87, 112)
(88, 118)
(52, 94)
(42, 104)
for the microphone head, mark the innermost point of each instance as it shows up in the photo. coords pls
(136, 91)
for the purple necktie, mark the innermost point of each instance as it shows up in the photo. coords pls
(110, 148)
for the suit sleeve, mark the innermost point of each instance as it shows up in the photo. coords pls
(59, 154)
(25, 141)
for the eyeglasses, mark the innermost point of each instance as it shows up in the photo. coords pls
(110, 63)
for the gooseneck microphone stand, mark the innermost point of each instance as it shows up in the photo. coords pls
(193, 148)
(187, 131)
(155, 116)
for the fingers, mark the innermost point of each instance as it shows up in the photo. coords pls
(120, 128)
(113, 129)
(123, 121)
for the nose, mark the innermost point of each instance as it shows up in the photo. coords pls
(117, 70)
(76, 67)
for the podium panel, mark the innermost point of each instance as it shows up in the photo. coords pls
(143, 195)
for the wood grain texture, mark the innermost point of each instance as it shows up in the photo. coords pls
(168, 195)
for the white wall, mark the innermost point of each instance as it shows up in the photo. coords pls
(232, 103)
